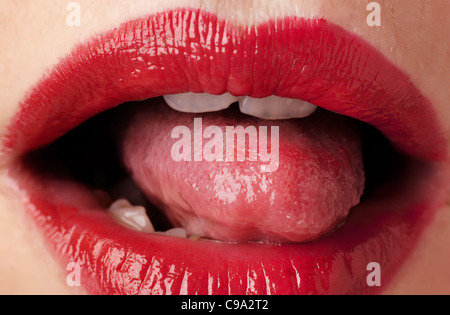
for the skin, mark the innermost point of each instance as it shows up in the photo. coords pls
(413, 36)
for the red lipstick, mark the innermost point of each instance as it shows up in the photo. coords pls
(191, 50)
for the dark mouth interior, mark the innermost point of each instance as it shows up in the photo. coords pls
(89, 154)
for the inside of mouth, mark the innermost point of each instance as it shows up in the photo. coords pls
(89, 154)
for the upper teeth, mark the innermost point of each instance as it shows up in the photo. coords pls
(272, 107)
(200, 103)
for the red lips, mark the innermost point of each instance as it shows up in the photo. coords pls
(190, 50)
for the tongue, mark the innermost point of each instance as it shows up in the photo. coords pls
(298, 196)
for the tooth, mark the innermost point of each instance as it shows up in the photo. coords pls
(200, 102)
(133, 217)
(195, 237)
(274, 107)
(176, 232)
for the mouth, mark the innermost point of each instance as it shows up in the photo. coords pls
(356, 180)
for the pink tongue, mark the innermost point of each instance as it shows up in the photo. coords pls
(319, 178)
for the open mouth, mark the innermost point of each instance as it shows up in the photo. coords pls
(354, 183)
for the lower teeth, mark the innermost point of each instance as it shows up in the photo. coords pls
(176, 232)
(135, 218)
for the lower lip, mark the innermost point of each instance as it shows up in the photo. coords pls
(115, 260)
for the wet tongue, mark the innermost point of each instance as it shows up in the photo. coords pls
(187, 166)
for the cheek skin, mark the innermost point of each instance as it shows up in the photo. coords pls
(26, 266)
(427, 270)
(413, 36)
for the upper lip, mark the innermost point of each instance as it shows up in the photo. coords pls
(146, 58)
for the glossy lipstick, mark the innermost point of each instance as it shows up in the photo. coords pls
(191, 50)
